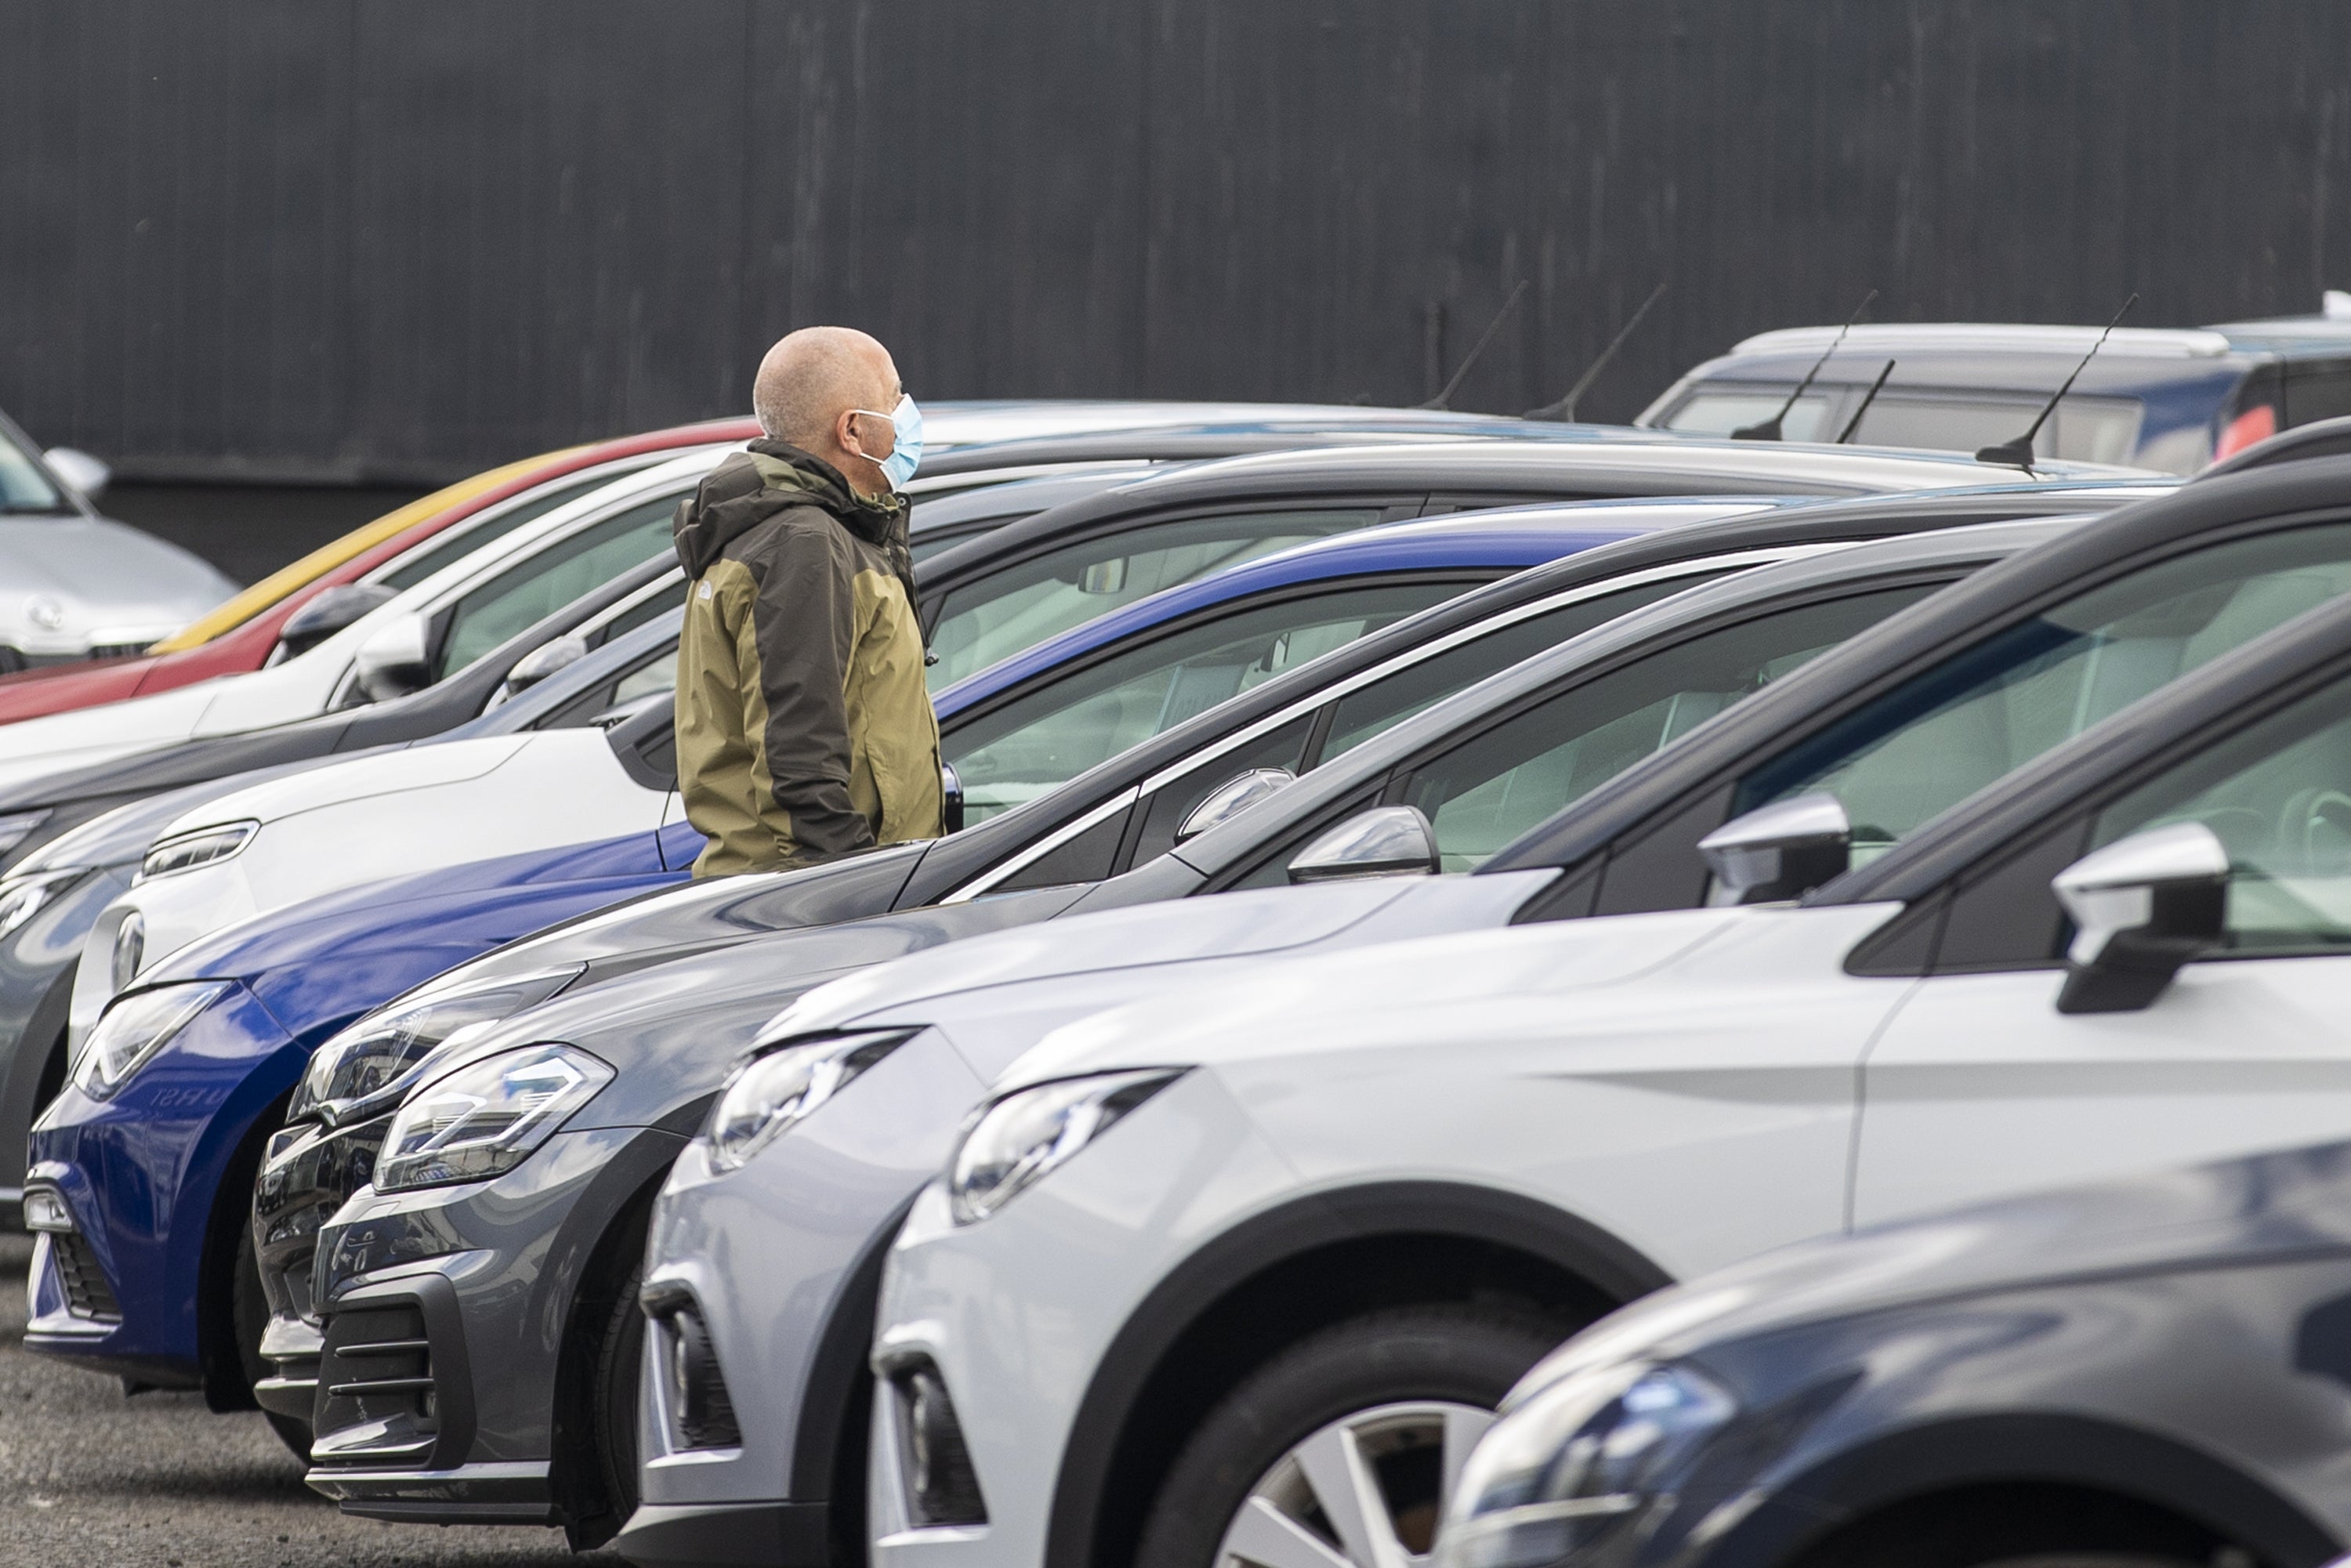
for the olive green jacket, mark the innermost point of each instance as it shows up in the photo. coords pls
(804, 726)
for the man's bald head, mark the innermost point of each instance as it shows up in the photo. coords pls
(813, 377)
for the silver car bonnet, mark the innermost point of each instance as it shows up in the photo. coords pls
(74, 582)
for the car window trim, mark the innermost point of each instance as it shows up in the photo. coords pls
(1013, 864)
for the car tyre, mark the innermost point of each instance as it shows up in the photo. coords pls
(249, 1316)
(1399, 1388)
(620, 1364)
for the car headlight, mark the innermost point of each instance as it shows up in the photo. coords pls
(197, 847)
(1571, 1463)
(18, 826)
(366, 1067)
(134, 1028)
(770, 1092)
(485, 1117)
(1017, 1140)
(22, 897)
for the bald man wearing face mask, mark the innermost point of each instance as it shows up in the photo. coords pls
(804, 724)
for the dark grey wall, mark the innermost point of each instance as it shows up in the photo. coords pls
(336, 240)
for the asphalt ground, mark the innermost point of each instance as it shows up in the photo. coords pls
(90, 1478)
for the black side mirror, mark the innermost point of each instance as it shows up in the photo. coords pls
(1778, 852)
(950, 798)
(328, 611)
(1230, 799)
(1386, 841)
(2141, 908)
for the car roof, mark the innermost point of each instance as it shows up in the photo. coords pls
(1882, 657)
(1642, 465)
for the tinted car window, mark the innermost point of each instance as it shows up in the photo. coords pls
(1375, 708)
(1719, 411)
(544, 582)
(22, 486)
(467, 537)
(2087, 429)
(2279, 797)
(1024, 603)
(1050, 735)
(1978, 715)
(1481, 795)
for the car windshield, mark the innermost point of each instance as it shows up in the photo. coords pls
(23, 487)
(1980, 715)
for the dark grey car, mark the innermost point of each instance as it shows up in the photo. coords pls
(2154, 1371)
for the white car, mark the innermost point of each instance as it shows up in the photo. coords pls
(1240, 1277)
(458, 597)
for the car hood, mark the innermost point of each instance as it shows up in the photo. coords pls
(2241, 1211)
(1434, 987)
(362, 778)
(100, 582)
(123, 835)
(1221, 925)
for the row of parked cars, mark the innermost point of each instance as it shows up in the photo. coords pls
(1423, 886)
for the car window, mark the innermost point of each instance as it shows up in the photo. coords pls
(1719, 411)
(23, 487)
(2319, 389)
(2279, 797)
(1049, 735)
(465, 538)
(545, 582)
(2087, 429)
(1980, 715)
(1002, 613)
(1375, 708)
(1484, 793)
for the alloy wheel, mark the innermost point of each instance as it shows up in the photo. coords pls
(1365, 1491)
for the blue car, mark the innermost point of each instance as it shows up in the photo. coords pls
(143, 1266)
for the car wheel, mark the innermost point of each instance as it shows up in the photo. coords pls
(620, 1362)
(1340, 1450)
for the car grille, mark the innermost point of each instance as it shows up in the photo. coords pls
(88, 1295)
(376, 1379)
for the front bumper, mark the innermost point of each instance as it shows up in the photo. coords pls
(780, 1261)
(443, 1317)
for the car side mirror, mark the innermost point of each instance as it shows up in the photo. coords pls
(89, 475)
(541, 662)
(950, 798)
(1231, 798)
(328, 611)
(1386, 841)
(1778, 852)
(395, 661)
(2141, 907)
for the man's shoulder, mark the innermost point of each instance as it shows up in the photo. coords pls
(798, 530)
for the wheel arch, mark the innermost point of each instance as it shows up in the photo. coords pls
(2085, 1455)
(1235, 1300)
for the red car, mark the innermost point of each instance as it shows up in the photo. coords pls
(240, 635)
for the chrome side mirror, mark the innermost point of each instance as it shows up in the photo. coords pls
(1778, 852)
(2141, 908)
(540, 662)
(1386, 841)
(328, 611)
(89, 475)
(950, 798)
(395, 661)
(1231, 798)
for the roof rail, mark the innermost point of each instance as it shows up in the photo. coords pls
(1880, 339)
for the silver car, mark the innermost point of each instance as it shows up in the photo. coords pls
(74, 585)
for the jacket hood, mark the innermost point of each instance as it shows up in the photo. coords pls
(2231, 1212)
(767, 478)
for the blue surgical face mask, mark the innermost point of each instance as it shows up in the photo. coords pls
(907, 445)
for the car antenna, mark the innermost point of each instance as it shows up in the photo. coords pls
(1564, 409)
(1875, 388)
(1444, 398)
(2018, 454)
(1770, 429)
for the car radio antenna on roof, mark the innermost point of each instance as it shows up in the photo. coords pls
(1564, 408)
(2018, 454)
(1875, 387)
(1770, 429)
(1444, 398)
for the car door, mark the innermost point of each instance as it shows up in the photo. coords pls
(1980, 1086)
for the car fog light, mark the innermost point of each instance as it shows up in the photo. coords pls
(46, 1209)
(700, 1407)
(942, 1487)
